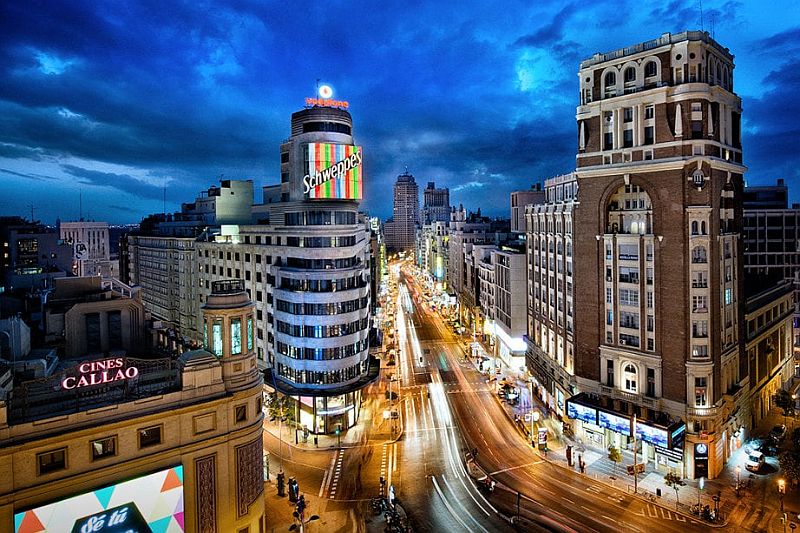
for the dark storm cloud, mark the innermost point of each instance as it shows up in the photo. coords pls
(480, 97)
(27, 176)
(121, 182)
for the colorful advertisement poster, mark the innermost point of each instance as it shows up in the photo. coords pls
(577, 411)
(147, 504)
(617, 424)
(334, 172)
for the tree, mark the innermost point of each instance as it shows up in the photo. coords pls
(784, 400)
(674, 480)
(280, 406)
(614, 456)
(790, 464)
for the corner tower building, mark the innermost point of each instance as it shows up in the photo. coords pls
(658, 285)
(319, 343)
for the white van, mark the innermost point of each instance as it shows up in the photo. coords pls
(754, 462)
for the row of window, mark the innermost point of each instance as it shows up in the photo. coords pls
(55, 460)
(328, 308)
(321, 242)
(321, 378)
(319, 218)
(322, 285)
(322, 332)
(322, 354)
(321, 264)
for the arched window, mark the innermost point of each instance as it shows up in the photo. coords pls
(699, 255)
(694, 227)
(703, 228)
(629, 377)
(650, 69)
(630, 74)
(610, 80)
(719, 75)
(725, 79)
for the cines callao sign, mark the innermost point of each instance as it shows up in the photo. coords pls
(99, 372)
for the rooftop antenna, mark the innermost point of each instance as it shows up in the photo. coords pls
(712, 25)
(80, 204)
(701, 16)
(164, 211)
(31, 208)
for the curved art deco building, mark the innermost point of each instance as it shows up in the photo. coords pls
(321, 293)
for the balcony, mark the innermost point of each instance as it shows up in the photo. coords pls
(701, 412)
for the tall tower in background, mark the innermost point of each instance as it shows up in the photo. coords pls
(401, 231)
(658, 287)
(435, 204)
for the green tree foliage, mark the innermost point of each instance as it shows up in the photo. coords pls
(672, 479)
(790, 464)
(784, 400)
(615, 456)
(280, 407)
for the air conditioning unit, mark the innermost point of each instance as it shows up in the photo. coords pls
(622, 342)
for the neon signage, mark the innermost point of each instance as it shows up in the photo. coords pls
(327, 102)
(99, 373)
(334, 172)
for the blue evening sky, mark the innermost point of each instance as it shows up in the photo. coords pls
(115, 100)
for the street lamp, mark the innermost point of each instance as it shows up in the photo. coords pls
(781, 491)
(738, 473)
(535, 432)
(700, 487)
(716, 498)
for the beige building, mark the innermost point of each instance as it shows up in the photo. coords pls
(175, 444)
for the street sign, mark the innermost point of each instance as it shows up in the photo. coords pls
(639, 469)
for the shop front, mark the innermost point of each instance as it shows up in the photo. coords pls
(600, 426)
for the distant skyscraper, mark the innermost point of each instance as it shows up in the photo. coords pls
(435, 204)
(401, 231)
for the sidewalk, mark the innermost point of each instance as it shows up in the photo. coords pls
(755, 507)
(371, 426)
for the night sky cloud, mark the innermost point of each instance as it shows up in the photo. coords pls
(103, 105)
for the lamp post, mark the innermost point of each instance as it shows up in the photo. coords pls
(530, 386)
(781, 491)
(716, 498)
(535, 429)
(700, 487)
(635, 466)
(738, 473)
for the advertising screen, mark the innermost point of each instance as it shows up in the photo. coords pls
(147, 504)
(334, 172)
(615, 423)
(581, 412)
(651, 434)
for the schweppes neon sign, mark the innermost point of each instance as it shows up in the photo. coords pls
(334, 172)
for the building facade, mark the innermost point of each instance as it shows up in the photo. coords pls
(550, 290)
(91, 248)
(306, 264)
(435, 204)
(141, 442)
(772, 239)
(520, 199)
(658, 228)
(401, 231)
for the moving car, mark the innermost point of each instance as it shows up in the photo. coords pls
(754, 461)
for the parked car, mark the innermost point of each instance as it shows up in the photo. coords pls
(754, 461)
(753, 445)
(778, 432)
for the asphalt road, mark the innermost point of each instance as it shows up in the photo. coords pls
(450, 410)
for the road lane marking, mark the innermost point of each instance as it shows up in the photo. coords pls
(567, 499)
(458, 502)
(609, 518)
(515, 467)
(330, 473)
(447, 504)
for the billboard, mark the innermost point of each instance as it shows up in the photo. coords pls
(146, 504)
(334, 172)
(577, 411)
(651, 434)
(617, 424)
